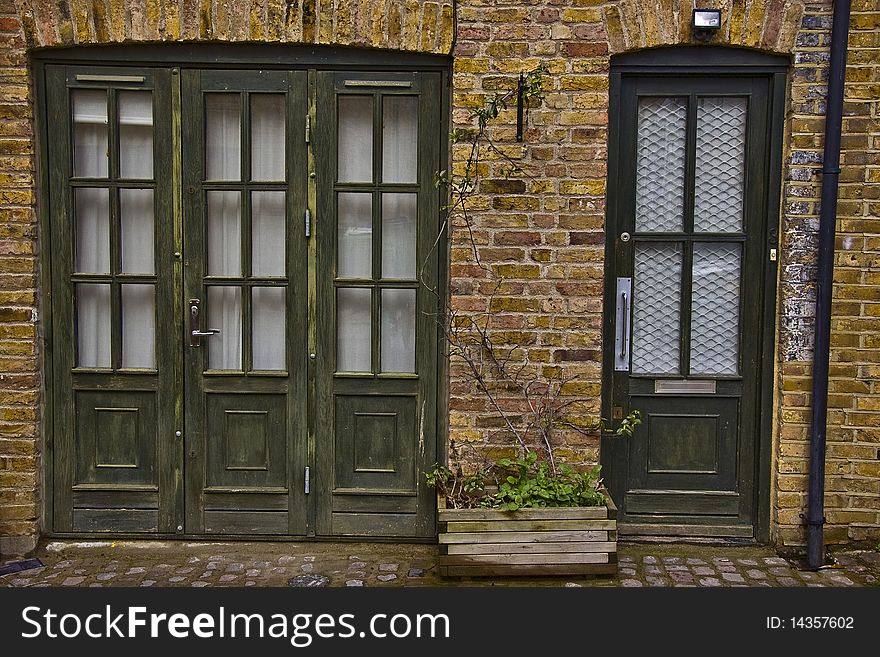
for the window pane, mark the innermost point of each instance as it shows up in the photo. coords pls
(398, 235)
(398, 330)
(224, 233)
(138, 326)
(267, 137)
(92, 208)
(353, 330)
(355, 139)
(90, 150)
(715, 309)
(355, 236)
(135, 134)
(267, 242)
(92, 325)
(269, 313)
(223, 136)
(400, 139)
(656, 308)
(660, 162)
(136, 230)
(720, 166)
(224, 313)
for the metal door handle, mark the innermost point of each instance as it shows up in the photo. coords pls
(206, 333)
(195, 324)
(621, 337)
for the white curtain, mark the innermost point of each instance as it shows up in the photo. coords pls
(223, 136)
(90, 154)
(93, 325)
(398, 345)
(135, 134)
(267, 137)
(136, 230)
(354, 235)
(224, 313)
(399, 236)
(355, 139)
(353, 330)
(138, 325)
(268, 318)
(400, 139)
(268, 232)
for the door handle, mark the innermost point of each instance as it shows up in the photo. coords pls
(621, 318)
(195, 324)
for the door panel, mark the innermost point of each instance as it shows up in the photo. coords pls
(377, 152)
(117, 465)
(687, 268)
(246, 374)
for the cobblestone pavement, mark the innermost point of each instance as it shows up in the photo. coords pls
(167, 564)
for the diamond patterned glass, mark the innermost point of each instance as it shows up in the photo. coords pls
(715, 308)
(656, 308)
(720, 164)
(660, 164)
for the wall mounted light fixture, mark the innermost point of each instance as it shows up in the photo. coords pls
(706, 22)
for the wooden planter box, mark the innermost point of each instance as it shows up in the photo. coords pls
(557, 541)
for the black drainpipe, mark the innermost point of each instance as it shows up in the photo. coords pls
(827, 222)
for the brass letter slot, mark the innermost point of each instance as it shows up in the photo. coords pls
(679, 386)
(378, 83)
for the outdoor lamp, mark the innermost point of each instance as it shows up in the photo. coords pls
(706, 20)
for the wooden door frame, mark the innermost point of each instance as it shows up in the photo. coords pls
(208, 55)
(701, 61)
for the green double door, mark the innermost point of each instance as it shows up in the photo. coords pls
(243, 300)
(690, 277)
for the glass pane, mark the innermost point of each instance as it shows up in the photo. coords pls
(398, 331)
(355, 139)
(353, 330)
(398, 235)
(90, 150)
(400, 139)
(355, 236)
(138, 326)
(269, 314)
(660, 162)
(92, 325)
(224, 233)
(715, 309)
(135, 134)
(267, 242)
(136, 230)
(223, 136)
(267, 137)
(720, 164)
(92, 208)
(224, 313)
(656, 308)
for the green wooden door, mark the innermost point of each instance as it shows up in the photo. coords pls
(685, 302)
(377, 148)
(244, 300)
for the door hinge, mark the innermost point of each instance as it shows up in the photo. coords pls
(306, 480)
(773, 255)
(308, 128)
(308, 219)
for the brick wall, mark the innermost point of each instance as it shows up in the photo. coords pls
(544, 235)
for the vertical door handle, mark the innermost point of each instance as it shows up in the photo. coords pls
(621, 319)
(308, 223)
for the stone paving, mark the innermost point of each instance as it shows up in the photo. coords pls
(199, 564)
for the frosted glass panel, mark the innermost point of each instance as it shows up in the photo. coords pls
(353, 330)
(267, 242)
(268, 312)
(92, 208)
(660, 160)
(720, 164)
(355, 236)
(223, 136)
(398, 235)
(355, 139)
(90, 150)
(267, 137)
(136, 230)
(656, 308)
(398, 331)
(135, 134)
(224, 313)
(92, 325)
(400, 139)
(138, 326)
(715, 309)
(224, 233)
